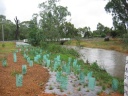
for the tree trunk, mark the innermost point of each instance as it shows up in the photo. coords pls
(17, 28)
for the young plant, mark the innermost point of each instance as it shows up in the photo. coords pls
(79, 89)
(14, 72)
(50, 88)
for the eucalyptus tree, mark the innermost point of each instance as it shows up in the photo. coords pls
(84, 32)
(87, 31)
(24, 29)
(8, 28)
(68, 30)
(52, 16)
(119, 11)
(33, 28)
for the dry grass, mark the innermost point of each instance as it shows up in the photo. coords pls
(5, 48)
(113, 44)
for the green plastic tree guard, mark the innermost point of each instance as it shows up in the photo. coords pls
(69, 59)
(30, 63)
(4, 63)
(24, 69)
(89, 75)
(28, 59)
(64, 82)
(91, 83)
(115, 84)
(82, 77)
(58, 76)
(19, 80)
(14, 57)
(48, 63)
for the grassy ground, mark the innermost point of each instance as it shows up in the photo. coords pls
(113, 44)
(6, 48)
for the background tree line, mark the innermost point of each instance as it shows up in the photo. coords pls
(51, 23)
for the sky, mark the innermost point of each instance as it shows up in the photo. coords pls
(83, 12)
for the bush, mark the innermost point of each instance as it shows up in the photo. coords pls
(43, 44)
(125, 38)
(103, 35)
(3, 45)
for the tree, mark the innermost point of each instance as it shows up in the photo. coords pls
(34, 36)
(68, 30)
(52, 17)
(101, 31)
(24, 29)
(87, 31)
(9, 28)
(119, 11)
(17, 28)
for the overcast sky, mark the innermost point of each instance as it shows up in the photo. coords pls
(83, 12)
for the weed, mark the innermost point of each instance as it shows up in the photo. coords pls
(79, 89)
(3, 45)
(103, 87)
(61, 90)
(87, 90)
(50, 88)
(14, 72)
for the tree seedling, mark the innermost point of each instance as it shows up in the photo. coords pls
(50, 88)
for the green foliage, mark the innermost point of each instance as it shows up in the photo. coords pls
(3, 45)
(119, 10)
(52, 17)
(8, 27)
(103, 35)
(125, 38)
(43, 44)
(54, 48)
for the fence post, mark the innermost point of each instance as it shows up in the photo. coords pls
(126, 78)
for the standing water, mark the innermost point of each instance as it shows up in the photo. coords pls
(112, 61)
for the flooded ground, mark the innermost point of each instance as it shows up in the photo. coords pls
(112, 61)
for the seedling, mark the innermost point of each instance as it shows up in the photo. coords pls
(50, 88)
(79, 89)
(88, 90)
(103, 87)
(61, 90)
(4, 62)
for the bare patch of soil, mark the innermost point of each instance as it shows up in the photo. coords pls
(33, 82)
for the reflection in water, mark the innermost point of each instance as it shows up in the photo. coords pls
(112, 61)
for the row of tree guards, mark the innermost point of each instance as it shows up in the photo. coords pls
(62, 68)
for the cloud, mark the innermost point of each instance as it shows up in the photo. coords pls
(23, 9)
(88, 13)
(2, 7)
(83, 12)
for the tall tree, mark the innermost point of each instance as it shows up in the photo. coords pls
(8, 28)
(68, 30)
(34, 36)
(119, 11)
(52, 16)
